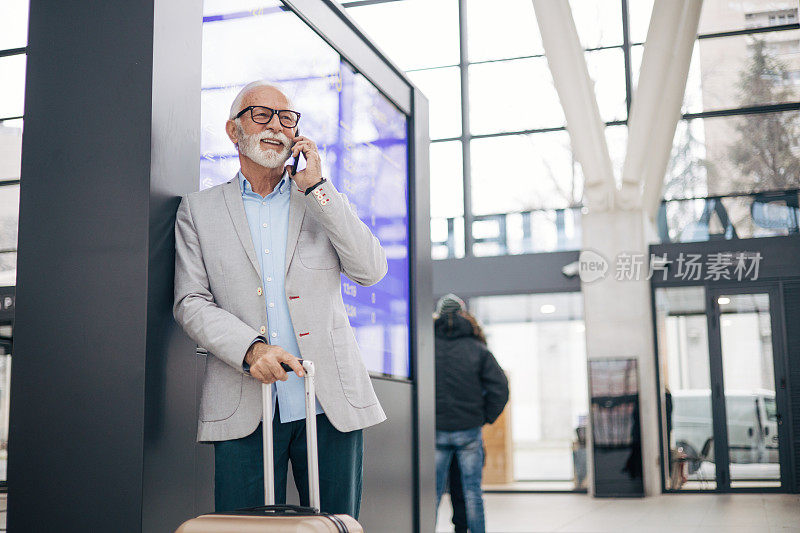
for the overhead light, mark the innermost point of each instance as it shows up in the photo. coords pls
(547, 309)
(723, 300)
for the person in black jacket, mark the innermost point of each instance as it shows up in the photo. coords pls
(471, 390)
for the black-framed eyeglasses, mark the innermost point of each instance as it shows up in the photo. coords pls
(262, 115)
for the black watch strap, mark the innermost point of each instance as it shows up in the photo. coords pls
(317, 184)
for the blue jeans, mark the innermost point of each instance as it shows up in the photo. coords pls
(467, 446)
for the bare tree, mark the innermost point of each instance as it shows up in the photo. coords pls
(767, 150)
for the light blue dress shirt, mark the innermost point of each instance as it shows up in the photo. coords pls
(268, 217)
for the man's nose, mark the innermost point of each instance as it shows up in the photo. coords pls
(274, 123)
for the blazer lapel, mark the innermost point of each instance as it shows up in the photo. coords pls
(233, 199)
(297, 210)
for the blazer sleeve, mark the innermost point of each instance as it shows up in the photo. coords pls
(220, 332)
(361, 255)
(495, 387)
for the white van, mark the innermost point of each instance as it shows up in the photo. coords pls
(752, 425)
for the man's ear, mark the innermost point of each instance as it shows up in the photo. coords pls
(230, 129)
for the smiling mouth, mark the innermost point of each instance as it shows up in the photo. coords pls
(270, 142)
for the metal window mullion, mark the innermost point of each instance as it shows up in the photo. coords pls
(519, 132)
(465, 140)
(7, 52)
(750, 31)
(511, 58)
(626, 52)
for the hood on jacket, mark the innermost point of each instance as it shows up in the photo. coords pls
(453, 326)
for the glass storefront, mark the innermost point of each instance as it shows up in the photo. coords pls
(720, 418)
(539, 341)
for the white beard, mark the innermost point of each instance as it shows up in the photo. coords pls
(250, 145)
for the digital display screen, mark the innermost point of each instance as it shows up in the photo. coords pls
(361, 136)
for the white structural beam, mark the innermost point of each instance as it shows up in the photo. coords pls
(657, 102)
(575, 88)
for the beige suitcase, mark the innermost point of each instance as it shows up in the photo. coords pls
(268, 522)
(280, 518)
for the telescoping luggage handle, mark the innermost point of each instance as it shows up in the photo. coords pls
(311, 438)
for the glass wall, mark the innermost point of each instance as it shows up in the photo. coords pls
(539, 341)
(13, 42)
(738, 142)
(499, 119)
(746, 62)
(739, 133)
(362, 138)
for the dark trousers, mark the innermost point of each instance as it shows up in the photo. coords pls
(239, 467)
(457, 498)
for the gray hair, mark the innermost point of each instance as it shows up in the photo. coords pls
(236, 106)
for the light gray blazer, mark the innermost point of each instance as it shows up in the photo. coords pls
(220, 303)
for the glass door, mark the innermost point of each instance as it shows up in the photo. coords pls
(687, 417)
(746, 362)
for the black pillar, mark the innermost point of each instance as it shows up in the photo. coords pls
(103, 393)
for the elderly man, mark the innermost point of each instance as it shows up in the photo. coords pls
(257, 283)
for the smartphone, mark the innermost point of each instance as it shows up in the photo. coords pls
(296, 159)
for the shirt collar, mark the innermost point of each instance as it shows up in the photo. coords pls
(283, 185)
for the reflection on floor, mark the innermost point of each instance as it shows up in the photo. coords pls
(528, 486)
(668, 513)
(743, 475)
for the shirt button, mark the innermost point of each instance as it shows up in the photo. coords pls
(263, 329)
(259, 291)
(264, 225)
(274, 334)
(271, 304)
(266, 250)
(269, 279)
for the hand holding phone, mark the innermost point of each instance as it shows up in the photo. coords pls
(296, 159)
(312, 172)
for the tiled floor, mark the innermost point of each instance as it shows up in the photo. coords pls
(578, 513)
(668, 513)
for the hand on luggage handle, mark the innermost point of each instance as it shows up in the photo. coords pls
(311, 437)
(290, 369)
